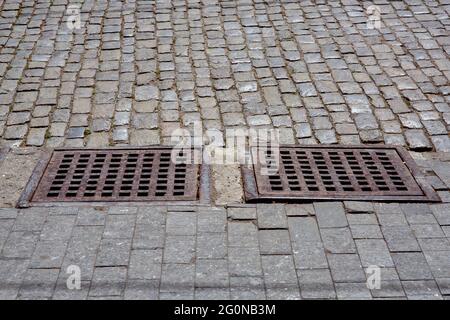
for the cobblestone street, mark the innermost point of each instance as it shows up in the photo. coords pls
(133, 71)
(136, 70)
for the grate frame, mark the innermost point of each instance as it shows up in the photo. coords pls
(258, 188)
(134, 169)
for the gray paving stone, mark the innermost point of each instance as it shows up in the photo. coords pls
(346, 268)
(91, 217)
(274, 242)
(338, 240)
(211, 273)
(400, 239)
(293, 210)
(12, 272)
(316, 284)
(242, 234)
(145, 264)
(211, 246)
(247, 288)
(20, 244)
(179, 249)
(271, 216)
(58, 228)
(421, 290)
(113, 252)
(366, 231)
(330, 214)
(181, 223)
(439, 262)
(244, 213)
(353, 291)
(178, 278)
(374, 252)
(211, 219)
(412, 266)
(442, 213)
(62, 292)
(141, 290)
(30, 220)
(48, 254)
(244, 262)
(108, 281)
(38, 284)
(280, 277)
(119, 226)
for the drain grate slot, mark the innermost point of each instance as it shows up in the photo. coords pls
(118, 175)
(337, 172)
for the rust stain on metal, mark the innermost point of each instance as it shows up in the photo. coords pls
(117, 175)
(338, 172)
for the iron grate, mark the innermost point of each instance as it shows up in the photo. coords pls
(333, 172)
(117, 175)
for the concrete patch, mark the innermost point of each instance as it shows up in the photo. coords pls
(227, 184)
(15, 170)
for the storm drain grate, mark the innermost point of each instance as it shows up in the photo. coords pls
(117, 175)
(337, 172)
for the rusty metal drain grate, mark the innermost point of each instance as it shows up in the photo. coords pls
(117, 175)
(337, 172)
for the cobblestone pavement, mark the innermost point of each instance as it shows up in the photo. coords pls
(320, 250)
(136, 70)
(308, 251)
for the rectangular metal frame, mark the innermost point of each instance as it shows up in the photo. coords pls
(26, 199)
(254, 194)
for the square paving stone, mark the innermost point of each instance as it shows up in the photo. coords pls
(412, 266)
(12, 272)
(422, 290)
(113, 252)
(439, 262)
(141, 290)
(374, 252)
(119, 226)
(274, 242)
(48, 254)
(330, 214)
(20, 244)
(244, 261)
(316, 284)
(179, 249)
(181, 223)
(38, 284)
(271, 216)
(145, 264)
(346, 268)
(247, 288)
(211, 246)
(352, 291)
(212, 273)
(309, 255)
(108, 281)
(400, 239)
(338, 240)
(178, 278)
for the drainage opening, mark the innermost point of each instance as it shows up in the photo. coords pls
(335, 172)
(118, 175)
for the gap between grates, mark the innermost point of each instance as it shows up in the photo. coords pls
(115, 175)
(336, 173)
